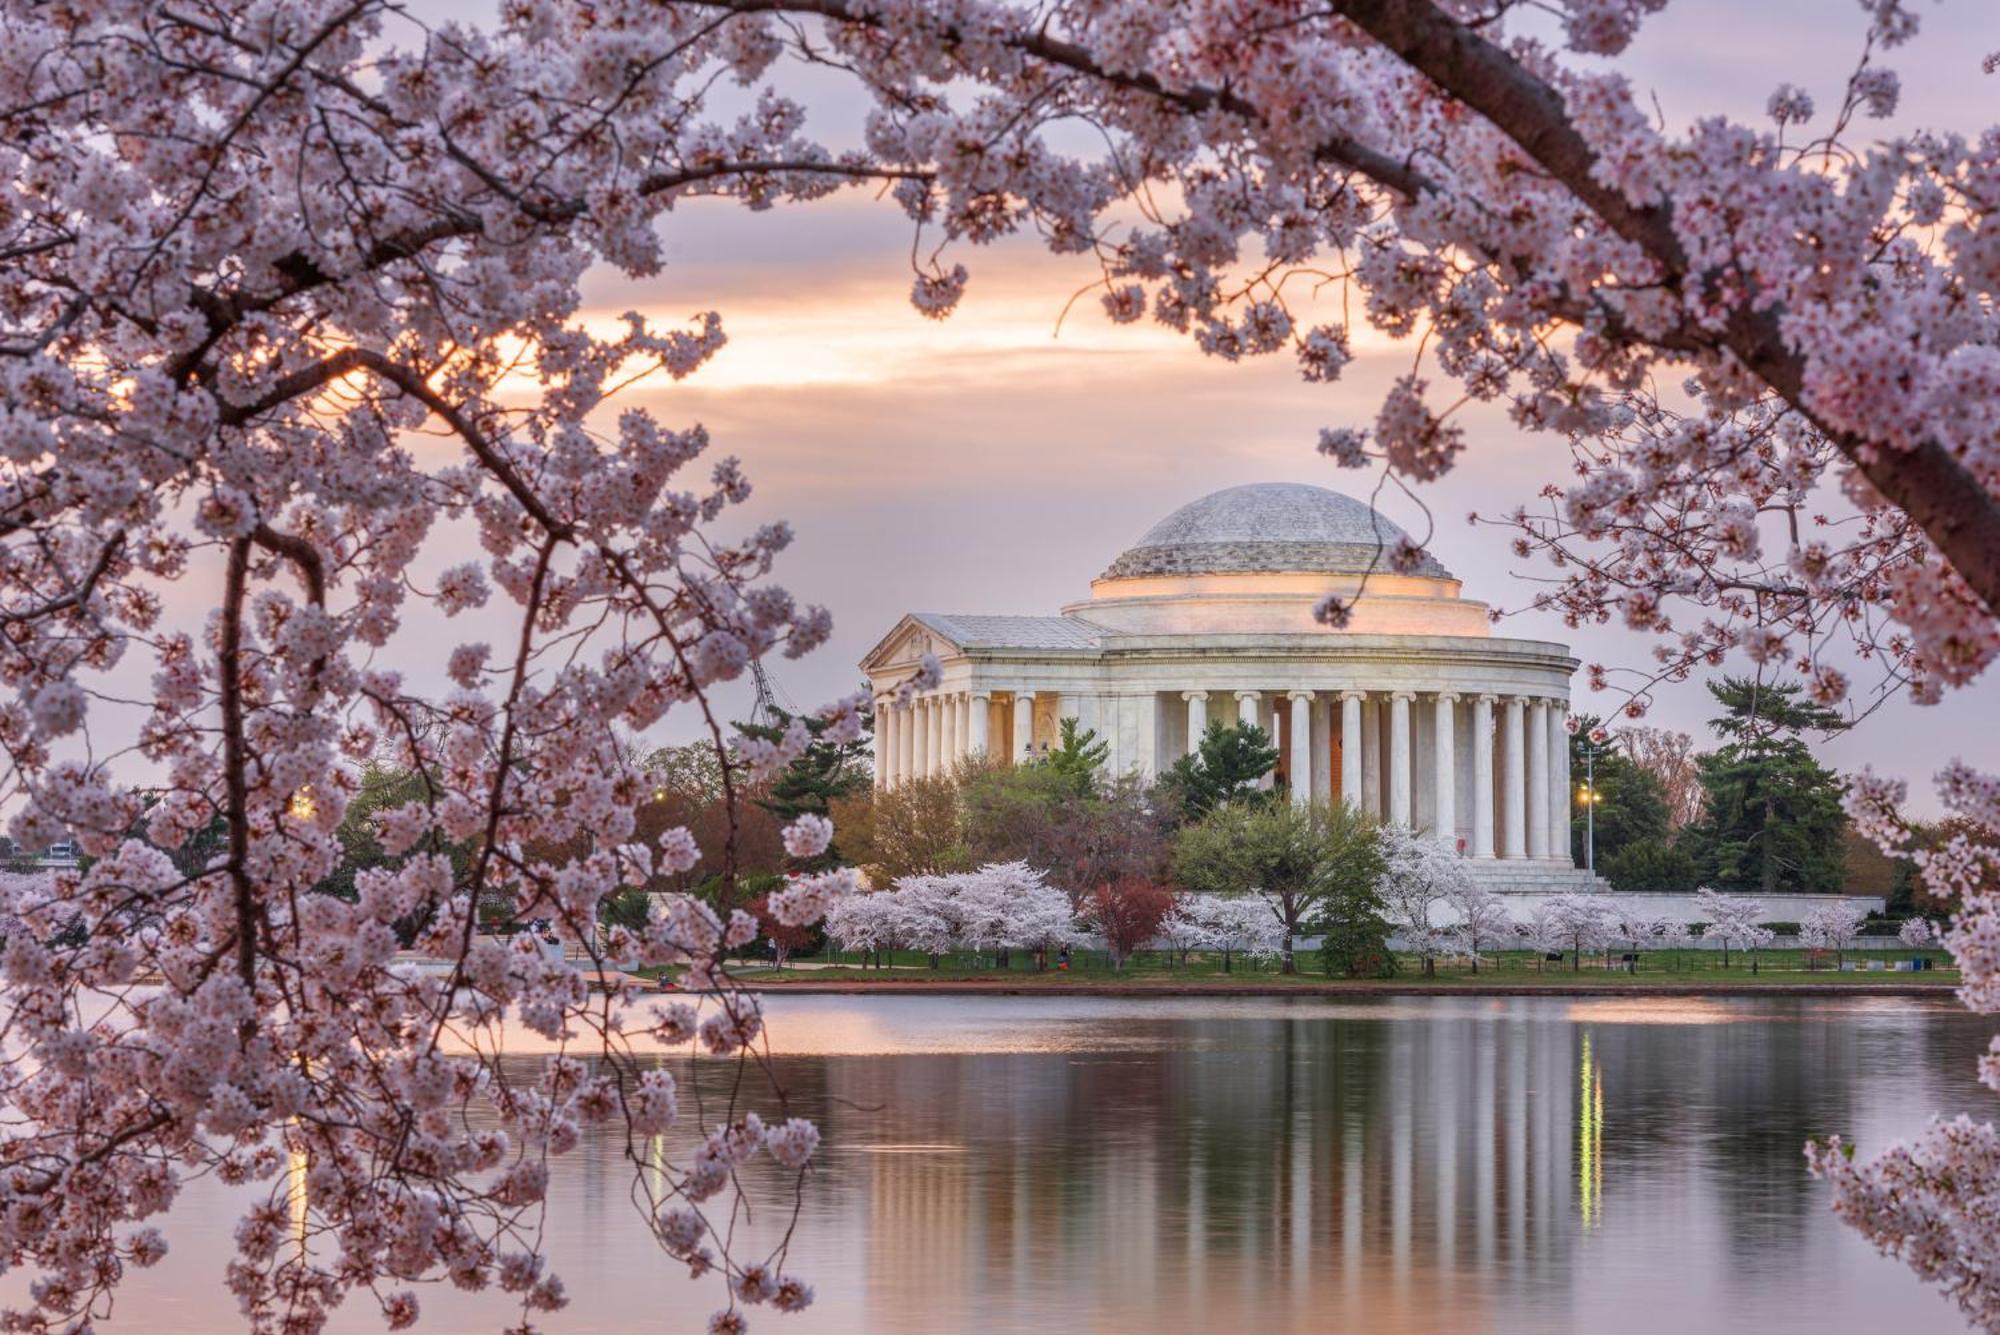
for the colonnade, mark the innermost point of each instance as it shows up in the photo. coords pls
(1487, 772)
(931, 734)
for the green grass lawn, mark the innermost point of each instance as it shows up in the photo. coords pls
(1515, 968)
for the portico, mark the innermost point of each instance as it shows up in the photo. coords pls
(1413, 711)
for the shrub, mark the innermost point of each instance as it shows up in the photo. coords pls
(1651, 866)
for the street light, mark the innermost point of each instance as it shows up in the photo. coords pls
(1587, 794)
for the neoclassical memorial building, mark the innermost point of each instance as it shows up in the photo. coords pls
(1415, 710)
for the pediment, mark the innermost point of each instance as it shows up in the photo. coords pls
(906, 645)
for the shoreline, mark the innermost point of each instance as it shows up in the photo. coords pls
(1367, 988)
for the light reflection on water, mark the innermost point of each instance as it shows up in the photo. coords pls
(1157, 1165)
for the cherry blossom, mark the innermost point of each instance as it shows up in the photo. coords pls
(292, 363)
(1420, 879)
(289, 298)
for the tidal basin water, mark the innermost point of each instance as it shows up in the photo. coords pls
(1163, 1165)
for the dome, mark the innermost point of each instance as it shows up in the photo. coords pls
(1267, 527)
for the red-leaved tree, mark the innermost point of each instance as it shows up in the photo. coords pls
(1128, 912)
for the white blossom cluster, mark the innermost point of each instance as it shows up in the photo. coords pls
(1227, 924)
(1001, 906)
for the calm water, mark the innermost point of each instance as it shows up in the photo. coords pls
(1520, 1164)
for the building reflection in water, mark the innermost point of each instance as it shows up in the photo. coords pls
(1351, 1169)
(1155, 1167)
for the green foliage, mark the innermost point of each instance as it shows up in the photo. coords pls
(1651, 865)
(824, 772)
(1225, 767)
(1632, 803)
(1352, 922)
(384, 787)
(1081, 835)
(1311, 863)
(1773, 820)
(627, 908)
(1078, 758)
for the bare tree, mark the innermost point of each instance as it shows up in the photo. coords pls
(1669, 757)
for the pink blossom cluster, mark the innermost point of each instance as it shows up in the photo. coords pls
(291, 361)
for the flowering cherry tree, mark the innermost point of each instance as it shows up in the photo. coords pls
(1917, 933)
(1001, 906)
(1544, 931)
(1232, 924)
(1581, 923)
(1419, 878)
(1830, 926)
(1480, 920)
(272, 274)
(1182, 930)
(291, 364)
(1729, 918)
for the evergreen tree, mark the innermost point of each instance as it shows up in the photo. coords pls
(824, 771)
(1353, 922)
(1773, 820)
(1078, 758)
(1227, 764)
(384, 787)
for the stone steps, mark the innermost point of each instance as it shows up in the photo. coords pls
(1539, 878)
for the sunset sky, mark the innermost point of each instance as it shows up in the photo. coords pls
(990, 463)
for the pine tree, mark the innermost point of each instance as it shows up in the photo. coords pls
(824, 771)
(1773, 819)
(1226, 766)
(1077, 758)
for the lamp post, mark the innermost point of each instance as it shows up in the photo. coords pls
(1590, 797)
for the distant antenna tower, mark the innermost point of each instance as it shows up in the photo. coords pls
(770, 700)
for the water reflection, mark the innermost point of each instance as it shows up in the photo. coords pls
(1399, 1165)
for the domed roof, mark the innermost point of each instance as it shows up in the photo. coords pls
(1268, 527)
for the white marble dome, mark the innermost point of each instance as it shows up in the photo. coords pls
(1267, 527)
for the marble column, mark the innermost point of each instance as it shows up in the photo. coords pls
(1350, 748)
(1024, 725)
(885, 743)
(1247, 710)
(906, 742)
(920, 737)
(1399, 758)
(1561, 846)
(1145, 737)
(979, 723)
(1538, 779)
(1514, 784)
(1371, 757)
(1197, 718)
(961, 724)
(1445, 771)
(1322, 748)
(1482, 777)
(1302, 747)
